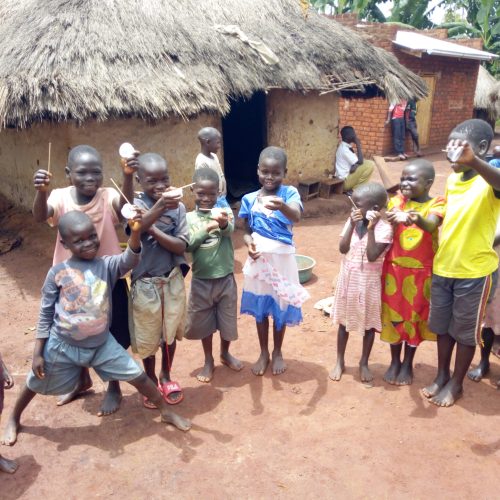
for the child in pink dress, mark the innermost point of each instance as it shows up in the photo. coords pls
(364, 242)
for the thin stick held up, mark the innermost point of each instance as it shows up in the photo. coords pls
(48, 161)
(187, 185)
(353, 204)
(120, 191)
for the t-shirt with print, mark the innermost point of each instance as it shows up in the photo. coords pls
(397, 110)
(156, 260)
(213, 253)
(345, 158)
(100, 210)
(76, 298)
(213, 163)
(271, 224)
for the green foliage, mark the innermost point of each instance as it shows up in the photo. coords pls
(366, 9)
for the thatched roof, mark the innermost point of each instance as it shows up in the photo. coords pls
(81, 59)
(487, 96)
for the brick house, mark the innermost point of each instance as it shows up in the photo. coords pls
(450, 73)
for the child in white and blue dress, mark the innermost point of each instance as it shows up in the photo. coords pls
(271, 284)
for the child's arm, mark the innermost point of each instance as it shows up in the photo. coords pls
(290, 210)
(197, 237)
(429, 224)
(41, 209)
(129, 167)
(168, 242)
(8, 381)
(225, 223)
(252, 248)
(38, 362)
(373, 248)
(345, 239)
(166, 202)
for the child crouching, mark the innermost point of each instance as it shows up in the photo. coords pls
(73, 327)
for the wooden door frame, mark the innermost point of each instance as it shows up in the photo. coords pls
(424, 135)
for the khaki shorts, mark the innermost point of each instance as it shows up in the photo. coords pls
(157, 309)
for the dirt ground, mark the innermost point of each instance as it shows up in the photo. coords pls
(299, 435)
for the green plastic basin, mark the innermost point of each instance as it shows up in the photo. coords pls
(305, 265)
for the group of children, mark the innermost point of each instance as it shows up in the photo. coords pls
(401, 278)
(392, 274)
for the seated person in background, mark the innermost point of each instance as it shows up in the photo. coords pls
(350, 166)
(495, 161)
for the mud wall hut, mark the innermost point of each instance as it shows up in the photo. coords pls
(153, 72)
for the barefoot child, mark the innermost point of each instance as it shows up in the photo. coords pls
(158, 296)
(465, 261)
(85, 173)
(407, 271)
(210, 142)
(213, 297)
(357, 305)
(6, 382)
(73, 327)
(271, 284)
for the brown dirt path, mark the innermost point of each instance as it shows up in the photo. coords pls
(297, 435)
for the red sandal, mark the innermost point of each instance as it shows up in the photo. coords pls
(168, 388)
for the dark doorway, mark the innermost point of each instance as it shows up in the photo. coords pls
(244, 136)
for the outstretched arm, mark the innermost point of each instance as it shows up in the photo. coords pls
(41, 209)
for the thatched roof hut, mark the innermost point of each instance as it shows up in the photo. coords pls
(98, 59)
(487, 96)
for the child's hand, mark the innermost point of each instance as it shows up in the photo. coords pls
(373, 217)
(130, 165)
(41, 180)
(467, 156)
(273, 202)
(171, 197)
(136, 222)
(8, 381)
(252, 248)
(222, 219)
(212, 226)
(399, 217)
(356, 216)
(38, 367)
(413, 217)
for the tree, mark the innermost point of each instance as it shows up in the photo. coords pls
(366, 9)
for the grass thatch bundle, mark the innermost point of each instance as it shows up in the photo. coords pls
(487, 96)
(81, 59)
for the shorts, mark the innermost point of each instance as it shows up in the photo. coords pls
(157, 310)
(119, 315)
(458, 306)
(63, 364)
(213, 306)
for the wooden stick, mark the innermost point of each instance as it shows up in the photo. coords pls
(187, 185)
(120, 191)
(353, 204)
(48, 162)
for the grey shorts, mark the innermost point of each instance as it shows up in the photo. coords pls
(212, 306)
(63, 364)
(458, 306)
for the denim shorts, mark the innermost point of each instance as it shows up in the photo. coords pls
(63, 364)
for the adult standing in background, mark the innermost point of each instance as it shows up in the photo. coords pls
(396, 117)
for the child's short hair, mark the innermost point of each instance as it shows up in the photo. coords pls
(374, 191)
(207, 133)
(206, 174)
(72, 219)
(425, 166)
(147, 159)
(475, 130)
(275, 153)
(347, 133)
(77, 151)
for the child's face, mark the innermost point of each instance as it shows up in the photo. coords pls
(82, 241)
(414, 182)
(154, 180)
(271, 174)
(365, 203)
(85, 174)
(214, 144)
(205, 194)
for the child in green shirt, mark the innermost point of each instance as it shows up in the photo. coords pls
(213, 296)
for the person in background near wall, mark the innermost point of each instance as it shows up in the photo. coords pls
(396, 117)
(411, 125)
(351, 166)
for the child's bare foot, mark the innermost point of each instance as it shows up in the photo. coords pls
(112, 400)
(405, 375)
(84, 384)
(448, 395)
(365, 374)
(10, 432)
(392, 372)
(207, 372)
(476, 374)
(169, 417)
(260, 366)
(432, 389)
(8, 466)
(230, 361)
(337, 371)
(278, 363)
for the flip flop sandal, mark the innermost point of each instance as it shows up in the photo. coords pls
(168, 388)
(148, 404)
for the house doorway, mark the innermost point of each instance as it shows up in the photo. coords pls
(424, 111)
(244, 136)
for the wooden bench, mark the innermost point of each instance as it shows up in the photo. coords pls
(308, 188)
(329, 187)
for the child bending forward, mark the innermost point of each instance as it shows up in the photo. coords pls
(271, 283)
(357, 306)
(73, 327)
